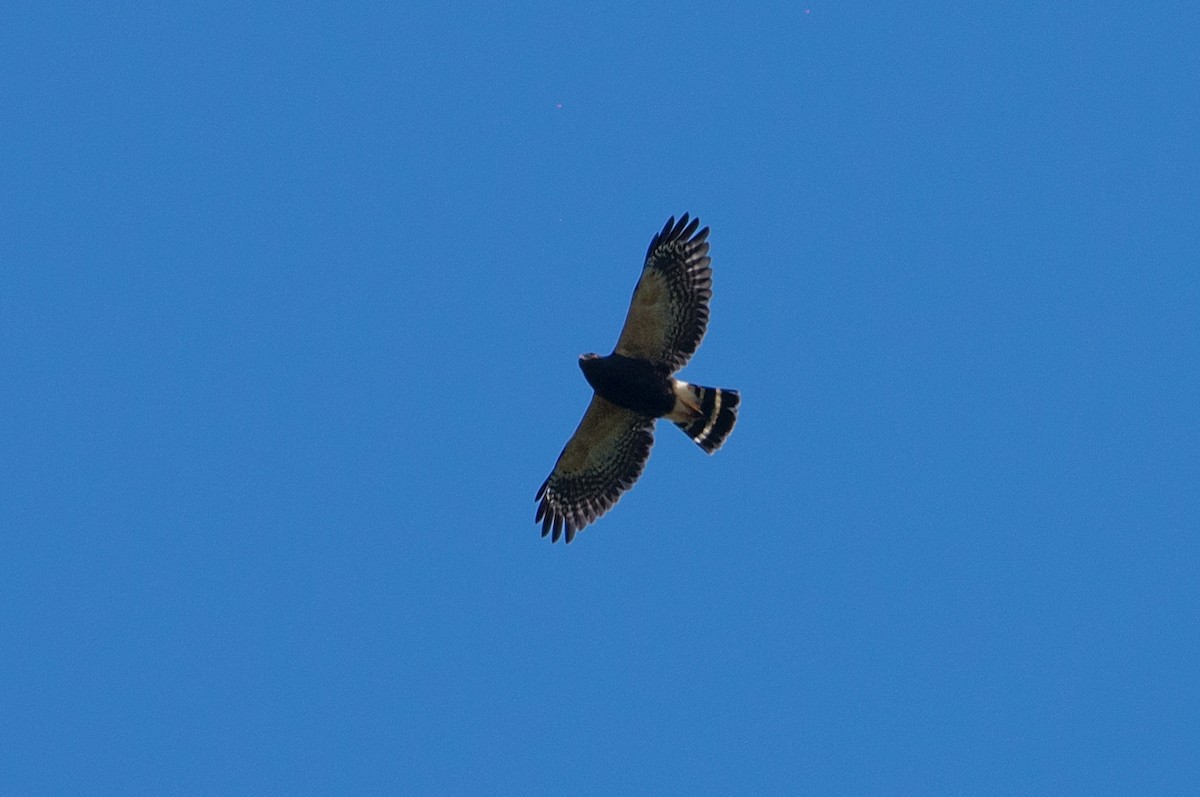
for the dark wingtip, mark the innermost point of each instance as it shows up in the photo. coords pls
(660, 235)
(678, 230)
(687, 231)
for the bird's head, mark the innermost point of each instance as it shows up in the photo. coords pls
(586, 361)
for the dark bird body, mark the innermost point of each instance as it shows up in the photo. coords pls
(634, 386)
(638, 385)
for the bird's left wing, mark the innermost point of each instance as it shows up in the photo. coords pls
(669, 310)
(602, 459)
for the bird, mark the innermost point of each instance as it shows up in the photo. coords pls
(634, 386)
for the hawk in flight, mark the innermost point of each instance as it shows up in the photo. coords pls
(634, 386)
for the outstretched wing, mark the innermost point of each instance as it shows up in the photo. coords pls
(602, 459)
(669, 311)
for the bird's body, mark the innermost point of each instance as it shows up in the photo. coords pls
(634, 386)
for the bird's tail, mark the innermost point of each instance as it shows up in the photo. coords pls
(712, 412)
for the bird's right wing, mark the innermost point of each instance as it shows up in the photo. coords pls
(669, 311)
(602, 459)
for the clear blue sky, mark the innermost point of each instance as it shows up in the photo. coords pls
(291, 298)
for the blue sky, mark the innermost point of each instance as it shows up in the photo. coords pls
(290, 304)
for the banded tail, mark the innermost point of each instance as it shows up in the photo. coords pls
(705, 414)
